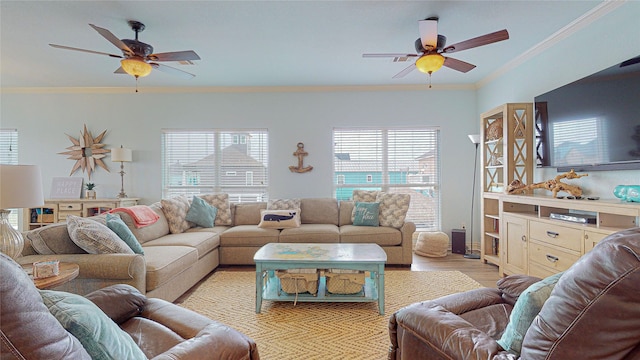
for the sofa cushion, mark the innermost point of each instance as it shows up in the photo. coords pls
(524, 311)
(166, 262)
(115, 223)
(366, 214)
(221, 202)
(203, 241)
(175, 210)
(149, 232)
(94, 237)
(279, 219)
(53, 239)
(319, 211)
(346, 212)
(381, 235)
(365, 195)
(98, 334)
(393, 208)
(283, 204)
(311, 233)
(248, 235)
(201, 213)
(248, 213)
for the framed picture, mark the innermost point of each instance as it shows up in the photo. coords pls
(66, 188)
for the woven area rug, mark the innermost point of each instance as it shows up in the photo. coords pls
(318, 330)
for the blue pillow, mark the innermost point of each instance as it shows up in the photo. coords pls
(524, 311)
(117, 225)
(98, 334)
(366, 214)
(201, 213)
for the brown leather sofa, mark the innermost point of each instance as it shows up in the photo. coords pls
(160, 329)
(593, 312)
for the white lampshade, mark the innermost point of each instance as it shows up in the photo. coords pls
(475, 138)
(20, 186)
(121, 155)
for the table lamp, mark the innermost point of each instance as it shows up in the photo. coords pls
(20, 187)
(121, 155)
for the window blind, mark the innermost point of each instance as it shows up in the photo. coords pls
(233, 161)
(391, 160)
(9, 156)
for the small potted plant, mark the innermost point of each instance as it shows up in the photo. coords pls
(90, 193)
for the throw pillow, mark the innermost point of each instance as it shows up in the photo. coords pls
(175, 210)
(366, 214)
(365, 195)
(393, 209)
(117, 225)
(283, 204)
(524, 311)
(221, 202)
(94, 237)
(201, 213)
(279, 219)
(99, 335)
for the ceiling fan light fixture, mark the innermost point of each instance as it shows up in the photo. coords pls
(430, 63)
(136, 67)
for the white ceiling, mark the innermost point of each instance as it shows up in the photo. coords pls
(265, 43)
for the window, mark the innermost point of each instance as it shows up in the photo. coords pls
(202, 161)
(391, 160)
(9, 156)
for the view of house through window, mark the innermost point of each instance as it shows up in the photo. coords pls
(391, 160)
(9, 156)
(216, 161)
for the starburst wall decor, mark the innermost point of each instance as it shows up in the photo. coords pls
(87, 151)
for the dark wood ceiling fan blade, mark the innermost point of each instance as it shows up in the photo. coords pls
(388, 55)
(84, 50)
(174, 56)
(630, 62)
(172, 70)
(459, 65)
(404, 72)
(113, 39)
(478, 41)
(428, 29)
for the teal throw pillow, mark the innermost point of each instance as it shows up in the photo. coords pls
(524, 311)
(366, 214)
(201, 213)
(115, 223)
(98, 334)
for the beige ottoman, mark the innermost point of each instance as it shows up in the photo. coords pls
(432, 244)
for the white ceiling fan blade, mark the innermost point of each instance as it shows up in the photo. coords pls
(84, 50)
(172, 70)
(113, 39)
(428, 32)
(404, 72)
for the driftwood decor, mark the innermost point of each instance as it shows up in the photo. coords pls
(300, 154)
(87, 151)
(554, 185)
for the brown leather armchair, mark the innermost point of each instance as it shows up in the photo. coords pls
(162, 330)
(593, 312)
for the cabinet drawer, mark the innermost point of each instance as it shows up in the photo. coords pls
(552, 258)
(557, 235)
(540, 271)
(70, 206)
(62, 215)
(591, 238)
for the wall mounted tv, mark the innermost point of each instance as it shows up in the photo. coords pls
(592, 123)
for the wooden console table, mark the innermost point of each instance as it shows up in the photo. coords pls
(57, 210)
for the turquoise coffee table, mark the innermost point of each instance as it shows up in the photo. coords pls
(282, 256)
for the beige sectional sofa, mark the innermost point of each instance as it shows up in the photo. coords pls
(174, 262)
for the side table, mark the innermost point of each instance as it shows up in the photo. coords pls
(67, 272)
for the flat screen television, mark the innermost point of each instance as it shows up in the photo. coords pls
(592, 123)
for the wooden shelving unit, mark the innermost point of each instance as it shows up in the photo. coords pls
(57, 210)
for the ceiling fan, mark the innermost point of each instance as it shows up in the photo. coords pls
(137, 57)
(430, 48)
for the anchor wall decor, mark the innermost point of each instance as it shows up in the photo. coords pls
(300, 154)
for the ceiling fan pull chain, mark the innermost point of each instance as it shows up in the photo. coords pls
(136, 83)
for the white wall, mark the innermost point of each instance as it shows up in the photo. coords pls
(135, 121)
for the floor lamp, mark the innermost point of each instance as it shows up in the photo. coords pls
(121, 155)
(475, 139)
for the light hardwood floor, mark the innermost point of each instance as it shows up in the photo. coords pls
(485, 274)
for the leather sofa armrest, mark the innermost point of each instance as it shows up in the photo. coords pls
(463, 302)
(182, 321)
(512, 286)
(429, 331)
(227, 342)
(119, 302)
